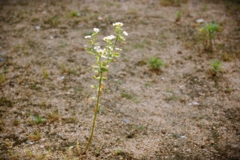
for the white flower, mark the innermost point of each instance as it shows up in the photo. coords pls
(125, 33)
(87, 37)
(97, 47)
(119, 24)
(96, 30)
(110, 48)
(118, 49)
(101, 51)
(109, 37)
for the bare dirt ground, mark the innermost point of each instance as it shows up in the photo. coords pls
(182, 112)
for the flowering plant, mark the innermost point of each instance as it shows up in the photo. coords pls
(103, 57)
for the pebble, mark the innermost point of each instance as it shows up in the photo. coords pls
(1, 59)
(37, 27)
(125, 120)
(200, 20)
(183, 137)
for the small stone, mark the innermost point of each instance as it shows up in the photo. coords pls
(126, 120)
(188, 150)
(195, 103)
(1, 59)
(183, 137)
(37, 27)
(164, 131)
(200, 20)
(179, 52)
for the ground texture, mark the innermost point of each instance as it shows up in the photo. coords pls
(182, 111)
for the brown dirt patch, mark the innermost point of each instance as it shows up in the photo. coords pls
(180, 112)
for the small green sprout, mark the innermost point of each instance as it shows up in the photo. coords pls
(37, 119)
(118, 152)
(103, 57)
(53, 21)
(35, 136)
(178, 16)
(73, 14)
(45, 74)
(155, 63)
(2, 78)
(208, 33)
(215, 67)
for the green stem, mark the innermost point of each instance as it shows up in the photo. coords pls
(96, 111)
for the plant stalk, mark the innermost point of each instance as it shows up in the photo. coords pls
(96, 112)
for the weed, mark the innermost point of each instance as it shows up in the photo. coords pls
(54, 116)
(53, 21)
(108, 3)
(29, 153)
(155, 63)
(129, 96)
(228, 90)
(35, 20)
(175, 135)
(35, 136)
(178, 16)
(126, 95)
(141, 127)
(45, 74)
(205, 7)
(78, 89)
(70, 120)
(97, 152)
(73, 14)
(149, 84)
(207, 34)
(5, 102)
(16, 122)
(118, 152)
(172, 2)
(215, 67)
(14, 155)
(139, 45)
(103, 58)
(2, 78)
(188, 57)
(31, 43)
(35, 86)
(2, 125)
(62, 44)
(38, 119)
(226, 57)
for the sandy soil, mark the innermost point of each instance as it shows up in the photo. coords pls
(181, 112)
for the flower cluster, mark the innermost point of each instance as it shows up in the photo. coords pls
(107, 54)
